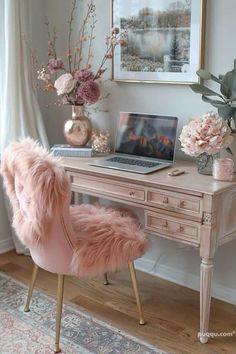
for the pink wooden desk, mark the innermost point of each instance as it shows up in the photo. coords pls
(192, 209)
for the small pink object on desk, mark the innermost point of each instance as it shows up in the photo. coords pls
(223, 169)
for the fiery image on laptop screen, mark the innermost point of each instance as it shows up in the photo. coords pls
(146, 135)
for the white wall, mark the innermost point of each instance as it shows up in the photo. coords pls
(166, 258)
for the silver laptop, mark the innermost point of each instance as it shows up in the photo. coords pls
(144, 143)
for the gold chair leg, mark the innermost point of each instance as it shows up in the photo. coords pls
(105, 281)
(31, 288)
(60, 291)
(136, 292)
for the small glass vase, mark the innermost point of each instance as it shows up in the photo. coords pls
(205, 163)
(78, 129)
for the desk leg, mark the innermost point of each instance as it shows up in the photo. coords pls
(205, 297)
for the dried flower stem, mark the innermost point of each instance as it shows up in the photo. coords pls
(91, 8)
(91, 39)
(104, 59)
(54, 41)
(70, 31)
(51, 41)
(110, 49)
(34, 63)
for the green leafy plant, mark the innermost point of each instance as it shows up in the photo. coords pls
(225, 99)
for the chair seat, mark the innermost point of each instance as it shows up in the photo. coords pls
(106, 239)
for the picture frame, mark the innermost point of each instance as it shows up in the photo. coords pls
(165, 40)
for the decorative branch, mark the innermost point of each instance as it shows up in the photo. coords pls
(91, 38)
(91, 10)
(54, 41)
(34, 63)
(51, 41)
(70, 31)
(115, 39)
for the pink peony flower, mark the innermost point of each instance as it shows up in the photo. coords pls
(83, 75)
(64, 84)
(208, 133)
(55, 64)
(89, 91)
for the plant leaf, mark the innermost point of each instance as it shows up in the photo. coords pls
(226, 112)
(216, 79)
(228, 86)
(204, 74)
(231, 99)
(199, 88)
(214, 103)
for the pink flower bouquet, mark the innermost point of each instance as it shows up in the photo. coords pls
(76, 83)
(206, 134)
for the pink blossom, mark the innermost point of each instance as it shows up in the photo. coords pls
(208, 133)
(89, 91)
(83, 75)
(42, 75)
(68, 54)
(109, 55)
(55, 64)
(115, 30)
(50, 87)
(122, 42)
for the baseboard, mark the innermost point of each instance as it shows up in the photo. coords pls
(182, 278)
(6, 245)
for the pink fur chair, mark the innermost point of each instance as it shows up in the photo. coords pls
(82, 241)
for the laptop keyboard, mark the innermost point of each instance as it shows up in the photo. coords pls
(134, 162)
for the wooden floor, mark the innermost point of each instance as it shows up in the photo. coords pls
(171, 311)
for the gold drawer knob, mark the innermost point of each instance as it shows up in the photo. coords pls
(165, 225)
(181, 204)
(165, 200)
(181, 228)
(131, 194)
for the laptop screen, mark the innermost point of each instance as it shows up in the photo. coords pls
(146, 135)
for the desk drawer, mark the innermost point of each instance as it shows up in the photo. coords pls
(172, 227)
(182, 203)
(106, 187)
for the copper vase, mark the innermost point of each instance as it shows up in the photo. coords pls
(78, 129)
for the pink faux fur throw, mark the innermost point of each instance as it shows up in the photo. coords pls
(102, 239)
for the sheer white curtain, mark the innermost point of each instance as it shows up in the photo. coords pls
(19, 110)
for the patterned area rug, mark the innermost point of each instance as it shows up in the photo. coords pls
(33, 332)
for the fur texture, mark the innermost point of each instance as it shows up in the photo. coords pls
(107, 239)
(102, 239)
(37, 187)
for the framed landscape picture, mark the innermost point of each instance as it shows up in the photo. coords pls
(165, 40)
